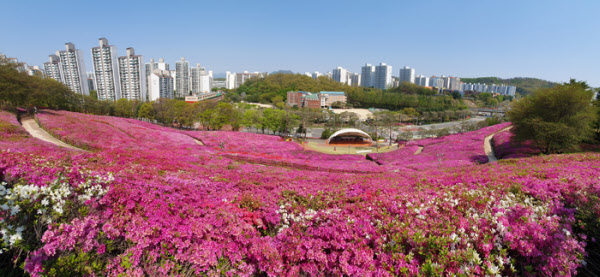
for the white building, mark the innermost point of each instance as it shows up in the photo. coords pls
(241, 78)
(367, 75)
(104, 59)
(201, 80)
(436, 82)
(383, 76)
(407, 74)
(422, 80)
(316, 75)
(455, 83)
(229, 80)
(132, 76)
(150, 68)
(340, 74)
(53, 68)
(182, 78)
(73, 69)
(161, 85)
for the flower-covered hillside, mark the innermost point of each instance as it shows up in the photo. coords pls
(449, 151)
(165, 212)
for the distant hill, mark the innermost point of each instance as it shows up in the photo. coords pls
(282, 72)
(524, 85)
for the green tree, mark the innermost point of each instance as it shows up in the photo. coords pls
(555, 119)
(146, 111)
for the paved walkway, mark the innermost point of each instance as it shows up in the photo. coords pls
(32, 127)
(419, 150)
(487, 146)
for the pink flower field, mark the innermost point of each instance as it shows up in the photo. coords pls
(449, 151)
(150, 201)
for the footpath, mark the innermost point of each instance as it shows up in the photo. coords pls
(34, 130)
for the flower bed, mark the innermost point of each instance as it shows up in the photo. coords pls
(165, 211)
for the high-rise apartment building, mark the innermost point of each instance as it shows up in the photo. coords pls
(201, 80)
(455, 83)
(161, 85)
(229, 80)
(73, 69)
(367, 75)
(91, 78)
(422, 80)
(383, 76)
(104, 59)
(316, 75)
(132, 76)
(53, 68)
(407, 74)
(240, 78)
(355, 80)
(340, 74)
(182, 78)
(436, 82)
(150, 68)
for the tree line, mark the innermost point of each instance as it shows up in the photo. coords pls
(274, 88)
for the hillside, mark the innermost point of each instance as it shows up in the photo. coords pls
(524, 85)
(150, 201)
(274, 88)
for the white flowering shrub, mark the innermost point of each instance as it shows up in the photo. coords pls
(26, 210)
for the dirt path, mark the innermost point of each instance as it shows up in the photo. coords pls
(32, 127)
(419, 150)
(487, 146)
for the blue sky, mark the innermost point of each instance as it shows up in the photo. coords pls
(548, 39)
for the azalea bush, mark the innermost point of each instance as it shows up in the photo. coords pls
(164, 205)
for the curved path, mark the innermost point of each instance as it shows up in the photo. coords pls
(487, 146)
(32, 128)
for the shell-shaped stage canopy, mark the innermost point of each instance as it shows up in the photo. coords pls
(350, 132)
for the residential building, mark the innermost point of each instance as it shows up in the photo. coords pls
(229, 80)
(446, 80)
(422, 80)
(355, 80)
(340, 74)
(104, 59)
(91, 77)
(383, 76)
(132, 76)
(316, 75)
(330, 97)
(182, 78)
(53, 68)
(73, 69)
(161, 85)
(367, 76)
(436, 82)
(150, 68)
(455, 83)
(407, 74)
(240, 78)
(201, 80)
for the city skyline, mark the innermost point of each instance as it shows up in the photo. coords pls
(466, 39)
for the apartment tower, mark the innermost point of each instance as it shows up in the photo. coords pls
(132, 76)
(73, 69)
(104, 59)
